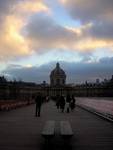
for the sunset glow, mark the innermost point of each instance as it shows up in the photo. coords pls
(33, 29)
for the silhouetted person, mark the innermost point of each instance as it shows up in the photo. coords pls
(68, 101)
(47, 98)
(58, 101)
(72, 103)
(38, 100)
(62, 103)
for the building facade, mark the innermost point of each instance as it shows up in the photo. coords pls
(24, 90)
(57, 76)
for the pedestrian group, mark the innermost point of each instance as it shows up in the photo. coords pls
(66, 104)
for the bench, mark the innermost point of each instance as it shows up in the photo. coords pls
(66, 130)
(49, 130)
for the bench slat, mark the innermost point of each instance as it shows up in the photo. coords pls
(66, 129)
(49, 129)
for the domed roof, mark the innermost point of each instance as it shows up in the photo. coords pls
(58, 71)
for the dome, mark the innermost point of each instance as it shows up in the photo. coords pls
(57, 76)
(58, 71)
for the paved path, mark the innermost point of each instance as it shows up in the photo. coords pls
(21, 130)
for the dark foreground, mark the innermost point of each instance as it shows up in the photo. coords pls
(21, 130)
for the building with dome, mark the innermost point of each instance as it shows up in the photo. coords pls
(57, 76)
(10, 90)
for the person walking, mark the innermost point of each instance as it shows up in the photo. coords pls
(62, 103)
(38, 101)
(58, 101)
(72, 104)
(68, 101)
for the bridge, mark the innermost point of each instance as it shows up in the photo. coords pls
(21, 130)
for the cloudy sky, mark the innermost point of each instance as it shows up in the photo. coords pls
(35, 34)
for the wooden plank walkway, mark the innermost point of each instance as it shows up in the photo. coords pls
(21, 130)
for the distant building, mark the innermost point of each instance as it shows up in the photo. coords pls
(24, 90)
(2, 80)
(112, 79)
(57, 76)
(97, 81)
(105, 80)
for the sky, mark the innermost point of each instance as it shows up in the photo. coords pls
(36, 34)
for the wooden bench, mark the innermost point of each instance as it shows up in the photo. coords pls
(49, 130)
(66, 130)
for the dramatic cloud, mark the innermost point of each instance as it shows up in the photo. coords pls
(45, 33)
(12, 43)
(99, 13)
(31, 6)
(29, 27)
(13, 16)
(90, 10)
(103, 30)
(6, 6)
(76, 72)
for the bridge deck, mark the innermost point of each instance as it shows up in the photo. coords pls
(21, 130)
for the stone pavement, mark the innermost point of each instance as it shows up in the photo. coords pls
(21, 130)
